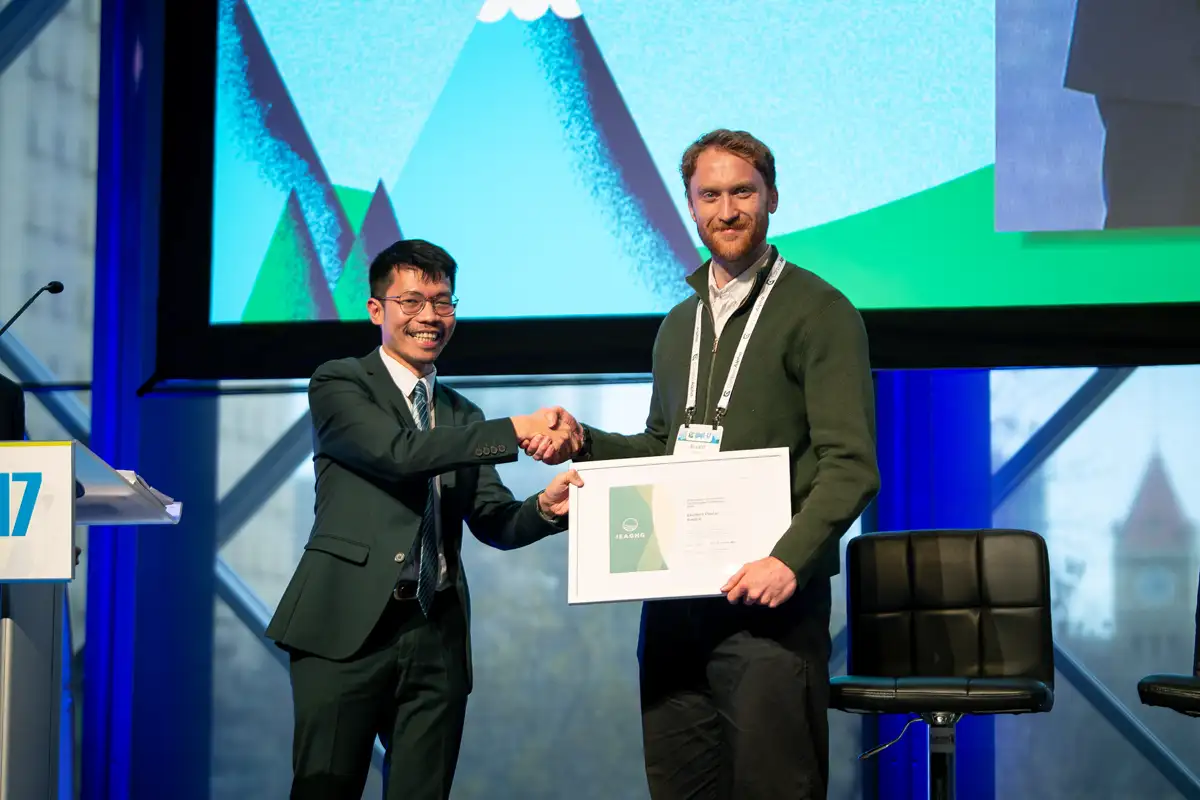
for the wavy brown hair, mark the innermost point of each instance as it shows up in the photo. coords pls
(740, 143)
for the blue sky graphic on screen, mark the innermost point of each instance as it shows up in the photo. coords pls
(539, 142)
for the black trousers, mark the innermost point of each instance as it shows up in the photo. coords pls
(1151, 164)
(408, 685)
(735, 699)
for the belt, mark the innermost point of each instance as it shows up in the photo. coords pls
(407, 590)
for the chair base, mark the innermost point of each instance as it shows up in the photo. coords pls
(941, 754)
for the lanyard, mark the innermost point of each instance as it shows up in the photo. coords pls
(736, 365)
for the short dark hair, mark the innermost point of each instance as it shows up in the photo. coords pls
(740, 143)
(431, 261)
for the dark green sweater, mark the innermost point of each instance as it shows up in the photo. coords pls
(805, 384)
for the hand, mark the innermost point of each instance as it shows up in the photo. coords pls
(547, 449)
(543, 427)
(554, 501)
(766, 582)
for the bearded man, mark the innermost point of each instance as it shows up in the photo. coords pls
(735, 688)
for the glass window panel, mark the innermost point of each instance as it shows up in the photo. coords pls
(1073, 752)
(249, 425)
(1118, 504)
(1022, 401)
(252, 717)
(37, 65)
(35, 248)
(266, 551)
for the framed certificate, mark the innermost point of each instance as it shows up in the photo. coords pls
(673, 526)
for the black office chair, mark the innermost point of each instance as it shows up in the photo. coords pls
(943, 624)
(1177, 692)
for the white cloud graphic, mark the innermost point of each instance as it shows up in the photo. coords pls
(528, 10)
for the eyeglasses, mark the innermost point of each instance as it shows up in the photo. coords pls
(413, 304)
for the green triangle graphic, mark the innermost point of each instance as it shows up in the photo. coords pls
(350, 293)
(354, 203)
(290, 286)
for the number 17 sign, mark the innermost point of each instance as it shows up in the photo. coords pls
(37, 511)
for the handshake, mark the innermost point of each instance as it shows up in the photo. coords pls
(550, 435)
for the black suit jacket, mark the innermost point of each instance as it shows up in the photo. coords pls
(373, 466)
(12, 411)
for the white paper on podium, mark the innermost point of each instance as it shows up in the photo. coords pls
(673, 526)
(118, 497)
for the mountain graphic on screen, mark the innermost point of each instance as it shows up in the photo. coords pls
(530, 159)
(377, 229)
(290, 286)
(271, 126)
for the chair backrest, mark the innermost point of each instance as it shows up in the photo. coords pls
(949, 603)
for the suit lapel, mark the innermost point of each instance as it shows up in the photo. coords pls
(386, 390)
(444, 408)
(443, 414)
(390, 398)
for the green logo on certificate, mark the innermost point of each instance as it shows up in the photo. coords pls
(633, 539)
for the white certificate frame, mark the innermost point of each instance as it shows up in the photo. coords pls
(708, 515)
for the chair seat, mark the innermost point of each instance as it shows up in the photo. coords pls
(871, 695)
(1177, 692)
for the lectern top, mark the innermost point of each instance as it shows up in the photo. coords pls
(103, 495)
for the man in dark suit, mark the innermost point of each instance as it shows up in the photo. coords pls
(12, 411)
(376, 618)
(1141, 61)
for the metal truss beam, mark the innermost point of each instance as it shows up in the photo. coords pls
(1056, 430)
(247, 606)
(65, 408)
(1131, 729)
(20, 23)
(264, 478)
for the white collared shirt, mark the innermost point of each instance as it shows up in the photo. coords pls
(729, 298)
(406, 381)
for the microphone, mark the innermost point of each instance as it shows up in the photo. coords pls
(53, 287)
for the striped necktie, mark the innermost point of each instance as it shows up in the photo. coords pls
(427, 574)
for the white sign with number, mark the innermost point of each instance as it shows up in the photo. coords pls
(37, 511)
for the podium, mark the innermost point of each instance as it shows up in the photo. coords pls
(46, 490)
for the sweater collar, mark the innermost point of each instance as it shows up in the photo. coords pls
(698, 280)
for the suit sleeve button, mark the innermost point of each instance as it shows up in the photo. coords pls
(399, 558)
(503, 448)
(478, 452)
